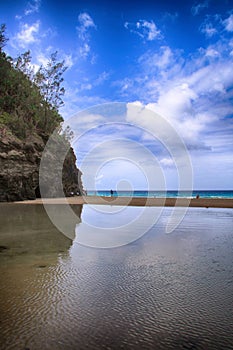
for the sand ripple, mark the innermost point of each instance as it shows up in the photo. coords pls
(161, 292)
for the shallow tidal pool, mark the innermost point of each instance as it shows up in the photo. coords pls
(143, 289)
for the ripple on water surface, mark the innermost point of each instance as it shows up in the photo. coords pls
(163, 291)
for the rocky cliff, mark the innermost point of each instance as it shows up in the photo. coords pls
(19, 168)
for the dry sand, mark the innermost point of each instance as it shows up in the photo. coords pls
(135, 201)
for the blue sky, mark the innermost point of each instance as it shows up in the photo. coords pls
(172, 57)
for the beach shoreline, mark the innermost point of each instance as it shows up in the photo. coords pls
(137, 201)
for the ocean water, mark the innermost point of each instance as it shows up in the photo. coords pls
(160, 291)
(168, 194)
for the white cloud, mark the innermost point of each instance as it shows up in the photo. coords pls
(29, 34)
(166, 134)
(196, 9)
(117, 159)
(193, 95)
(86, 21)
(160, 59)
(176, 105)
(84, 50)
(231, 47)
(87, 86)
(155, 70)
(32, 7)
(125, 85)
(211, 52)
(42, 59)
(145, 29)
(69, 61)
(167, 162)
(228, 23)
(208, 79)
(151, 29)
(208, 29)
(115, 145)
(101, 78)
(85, 24)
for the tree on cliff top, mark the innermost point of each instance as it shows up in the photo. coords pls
(49, 79)
(29, 101)
(3, 38)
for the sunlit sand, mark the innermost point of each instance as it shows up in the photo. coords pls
(135, 201)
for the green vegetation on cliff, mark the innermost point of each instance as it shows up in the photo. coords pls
(29, 113)
(29, 101)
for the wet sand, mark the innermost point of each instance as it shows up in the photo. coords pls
(136, 201)
(162, 291)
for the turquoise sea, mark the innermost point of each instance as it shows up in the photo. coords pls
(163, 194)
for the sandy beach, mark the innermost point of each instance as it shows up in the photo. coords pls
(136, 201)
(122, 281)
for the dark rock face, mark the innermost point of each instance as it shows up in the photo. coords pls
(19, 169)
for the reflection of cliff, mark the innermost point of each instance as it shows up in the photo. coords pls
(65, 217)
(27, 229)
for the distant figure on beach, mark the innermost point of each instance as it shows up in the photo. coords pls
(197, 196)
(111, 193)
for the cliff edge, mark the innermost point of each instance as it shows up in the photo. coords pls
(19, 169)
(30, 99)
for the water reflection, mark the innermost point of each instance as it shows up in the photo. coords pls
(32, 252)
(27, 231)
(105, 226)
(160, 292)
